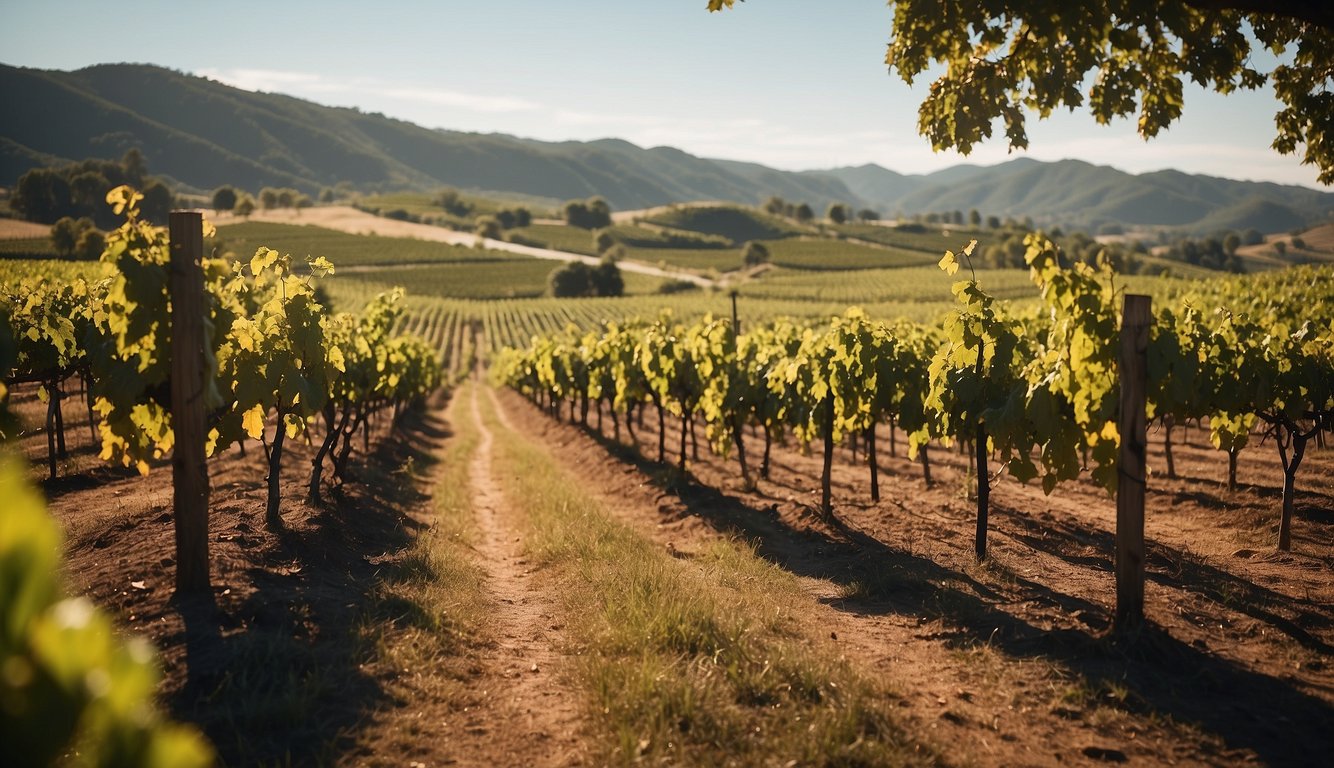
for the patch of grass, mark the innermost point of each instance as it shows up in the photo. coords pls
(431, 612)
(720, 259)
(929, 239)
(699, 661)
(345, 249)
(557, 237)
(922, 283)
(731, 222)
(827, 254)
(437, 582)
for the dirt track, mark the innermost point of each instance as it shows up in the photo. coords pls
(530, 716)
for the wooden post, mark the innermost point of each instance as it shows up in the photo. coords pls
(1136, 318)
(736, 323)
(189, 471)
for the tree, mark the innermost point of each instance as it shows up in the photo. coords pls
(592, 213)
(88, 190)
(449, 200)
(571, 279)
(605, 279)
(603, 241)
(42, 194)
(866, 214)
(803, 213)
(136, 167)
(268, 198)
(1006, 57)
(157, 203)
(838, 213)
(90, 245)
(224, 198)
(974, 218)
(65, 234)
(489, 227)
(754, 254)
(775, 205)
(244, 207)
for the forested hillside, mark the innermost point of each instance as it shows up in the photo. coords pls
(203, 134)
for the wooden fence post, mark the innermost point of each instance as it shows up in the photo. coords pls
(188, 468)
(1136, 318)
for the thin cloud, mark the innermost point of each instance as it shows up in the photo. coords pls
(469, 101)
(273, 80)
(307, 83)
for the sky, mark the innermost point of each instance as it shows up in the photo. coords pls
(794, 84)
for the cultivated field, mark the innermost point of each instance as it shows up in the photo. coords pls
(497, 580)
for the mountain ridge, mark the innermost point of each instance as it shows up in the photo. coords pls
(203, 134)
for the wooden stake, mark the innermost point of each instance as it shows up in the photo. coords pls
(1136, 318)
(189, 471)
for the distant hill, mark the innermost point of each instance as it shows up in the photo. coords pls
(203, 134)
(1074, 193)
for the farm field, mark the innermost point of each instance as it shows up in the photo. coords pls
(347, 249)
(489, 585)
(1001, 663)
(917, 237)
(735, 223)
(804, 253)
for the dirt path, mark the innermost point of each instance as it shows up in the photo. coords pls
(529, 715)
(348, 219)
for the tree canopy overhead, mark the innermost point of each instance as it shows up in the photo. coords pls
(1004, 58)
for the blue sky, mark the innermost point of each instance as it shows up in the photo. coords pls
(795, 84)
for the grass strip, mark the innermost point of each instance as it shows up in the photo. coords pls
(704, 659)
(429, 615)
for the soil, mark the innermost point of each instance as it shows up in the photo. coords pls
(275, 665)
(1012, 662)
(531, 718)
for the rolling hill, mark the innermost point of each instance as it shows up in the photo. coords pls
(201, 134)
(1074, 193)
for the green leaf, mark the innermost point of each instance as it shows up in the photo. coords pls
(262, 260)
(320, 266)
(949, 263)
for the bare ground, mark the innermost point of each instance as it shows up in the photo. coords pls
(1011, 662)
(531, 717)
(278, 663)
